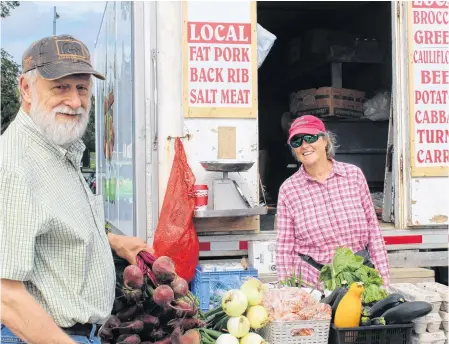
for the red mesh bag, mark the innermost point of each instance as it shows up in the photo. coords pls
(175, 235)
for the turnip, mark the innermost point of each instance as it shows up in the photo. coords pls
(254, 291)
(164, 270)
(257, 316)
(190, 337)
(234, 303)
(238, 326)
(133, 277)
(128, 339)
(180, 287)
(252, 338)
(227, 339)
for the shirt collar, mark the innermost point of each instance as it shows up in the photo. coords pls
(337, 169)
(74, 153)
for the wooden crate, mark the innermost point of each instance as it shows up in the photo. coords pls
(411, 275)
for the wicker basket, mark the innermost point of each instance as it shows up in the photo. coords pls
(288, 332)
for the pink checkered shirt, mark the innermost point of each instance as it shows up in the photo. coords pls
(314, 219)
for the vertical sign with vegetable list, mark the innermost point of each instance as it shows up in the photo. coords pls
(428, 51)
(220, 59)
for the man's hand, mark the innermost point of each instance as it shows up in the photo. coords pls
(128, 247)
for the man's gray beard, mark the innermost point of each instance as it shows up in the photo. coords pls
(62, 133)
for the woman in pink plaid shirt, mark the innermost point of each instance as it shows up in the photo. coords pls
(326, 204)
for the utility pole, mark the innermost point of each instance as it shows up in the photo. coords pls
(55, 16)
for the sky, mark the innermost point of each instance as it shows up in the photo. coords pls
(33, 20)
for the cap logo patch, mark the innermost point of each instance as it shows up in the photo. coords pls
(68, 49)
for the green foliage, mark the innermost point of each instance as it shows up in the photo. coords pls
(6, 7)
(10, 100)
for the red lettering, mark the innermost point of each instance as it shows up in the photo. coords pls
(235, 97)
(238, 75)
(203, 96)
(435, 77)
(199, 53)
(229, 33)
(429, 4)
(435, 156)
(431, 37)
(206, 75)
(433, 135)
(431, 17)
(231, 54)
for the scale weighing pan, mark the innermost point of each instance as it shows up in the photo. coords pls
(216, 166)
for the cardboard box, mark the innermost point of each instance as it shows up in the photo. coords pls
(262, 256)
(328, 101)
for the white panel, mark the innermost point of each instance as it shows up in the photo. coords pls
(220, 11)
(430, 201)
(203, 146)
(224, 246)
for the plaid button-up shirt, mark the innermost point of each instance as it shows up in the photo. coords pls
(315, 218)
(52, 227)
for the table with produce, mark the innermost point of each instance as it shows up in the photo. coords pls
(155, 305)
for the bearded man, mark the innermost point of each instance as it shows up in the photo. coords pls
(57, 269)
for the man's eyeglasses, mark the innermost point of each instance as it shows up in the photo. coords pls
(296, 141)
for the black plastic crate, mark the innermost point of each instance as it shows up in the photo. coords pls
(389, 334)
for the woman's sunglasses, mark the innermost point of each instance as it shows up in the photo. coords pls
(296, 141)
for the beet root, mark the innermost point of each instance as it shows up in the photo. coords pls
(180, 287)
(128, 339)
(164, 341)
(163, 296)
(106, 333)
(186, 323)
(112, 322)
(185, 309)
(130, 327)
(164, 270)
(129, 313)
(158, 334)
(133, 277)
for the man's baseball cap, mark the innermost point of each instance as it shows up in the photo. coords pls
(304, 125)
(58, 56)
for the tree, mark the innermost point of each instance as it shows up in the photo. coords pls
(10, 100)
(7, 6)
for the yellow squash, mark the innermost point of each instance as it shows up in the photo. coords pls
(349, 309)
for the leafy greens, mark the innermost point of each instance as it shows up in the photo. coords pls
(348, 267)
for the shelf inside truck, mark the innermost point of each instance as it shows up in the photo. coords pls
(231, 212)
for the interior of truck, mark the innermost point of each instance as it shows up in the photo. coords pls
(325, 44)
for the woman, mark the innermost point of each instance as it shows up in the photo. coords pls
(326, 204)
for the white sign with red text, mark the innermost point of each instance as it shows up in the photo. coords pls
(219, 59)
(429, 86)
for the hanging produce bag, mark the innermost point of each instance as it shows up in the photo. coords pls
(175, 235)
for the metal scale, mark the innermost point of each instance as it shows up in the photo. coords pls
(227, 197)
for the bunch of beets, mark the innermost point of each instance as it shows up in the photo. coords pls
(152, 305)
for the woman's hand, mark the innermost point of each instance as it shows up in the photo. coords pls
(128, 247)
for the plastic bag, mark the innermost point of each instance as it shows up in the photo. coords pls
(175, 235)
(291, 304)
(378, 107)
(265, 41)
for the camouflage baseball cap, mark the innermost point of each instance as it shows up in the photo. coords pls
(58, 56)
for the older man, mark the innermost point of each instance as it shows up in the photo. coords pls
(57, 270)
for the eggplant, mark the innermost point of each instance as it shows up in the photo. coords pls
(384, 305)
(406, 312)
(379, 321)
(329, 300)
(338, 298)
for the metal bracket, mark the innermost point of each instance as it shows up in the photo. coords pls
(186, 136)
